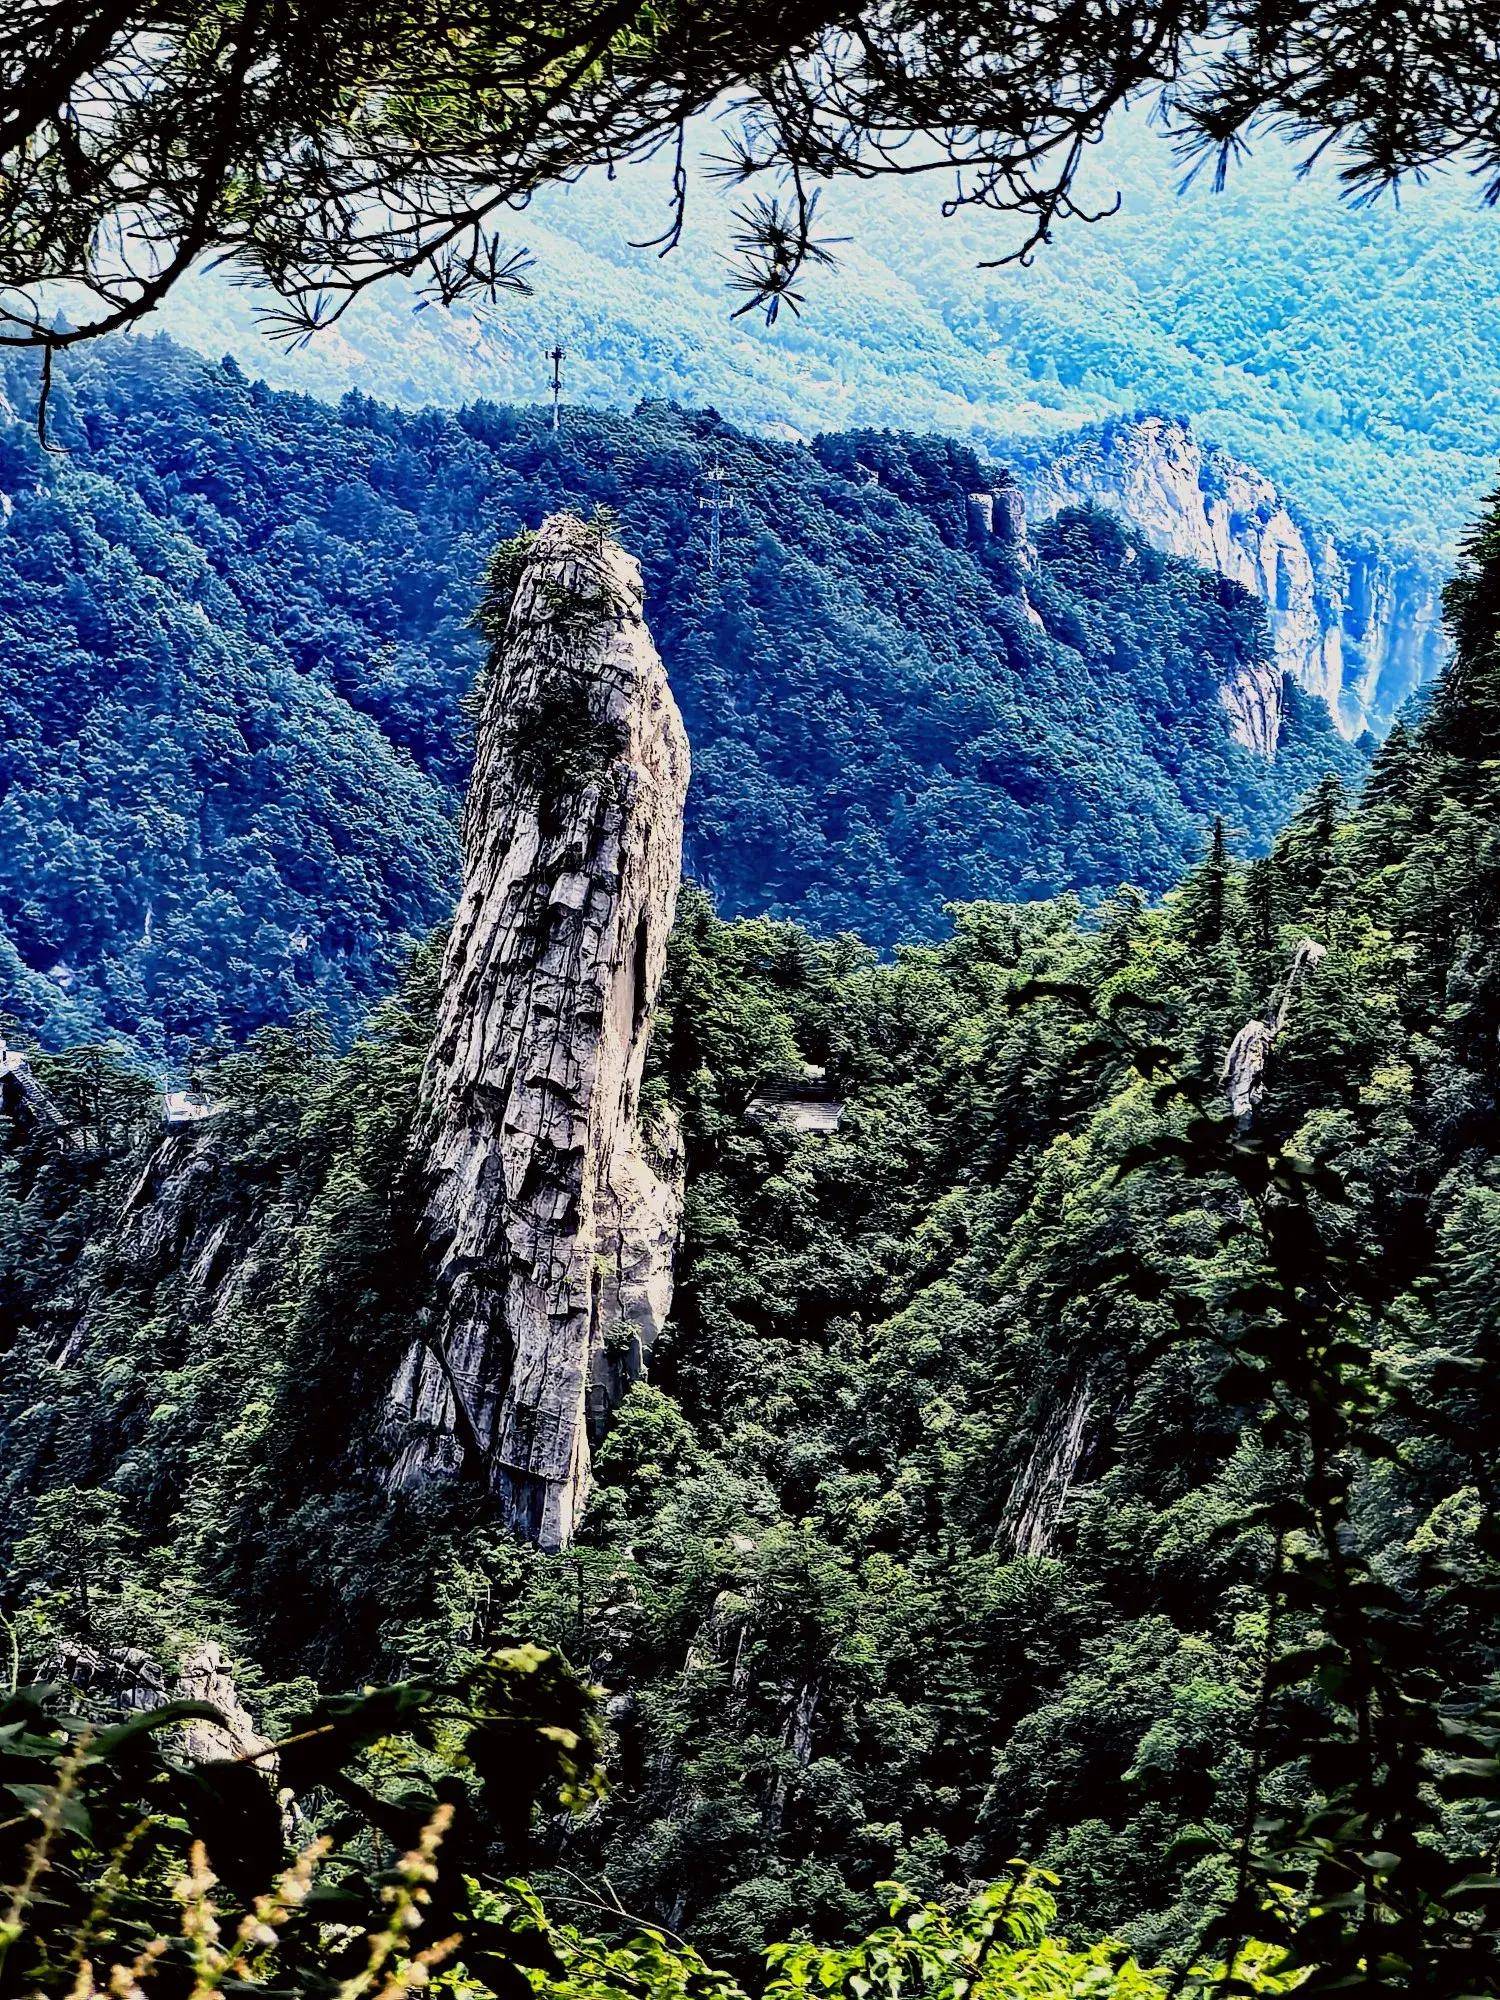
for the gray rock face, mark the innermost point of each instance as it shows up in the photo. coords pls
(1001, 513)
(1354, 628)
(126, 1677)
(187, 1212)
(206, 1675)
(23, 1098)
(552, 1218)
(1245, 1067)
(175, 1214)
(1245, 1063)
(1041, 1489)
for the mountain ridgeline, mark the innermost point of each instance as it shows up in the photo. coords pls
(1071, 1432)
(1348, 353)
(238, 628)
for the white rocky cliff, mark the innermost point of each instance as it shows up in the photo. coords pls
(1357, 629)
(551, 1230)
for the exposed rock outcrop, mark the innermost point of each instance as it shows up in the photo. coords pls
(551, 1217)
(206, 1675)
(178, 1212)
(125, 1677)
(1245, 1067)
(998, 514)
(23, 1099)
(1254, 699)
(1355, 628)
(189, 1213)
(1250, 1051)
(1041, 1489)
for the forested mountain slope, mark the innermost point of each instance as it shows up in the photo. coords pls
(236, 630)
(1345, 356)
(1350, 354)
(986, 1426)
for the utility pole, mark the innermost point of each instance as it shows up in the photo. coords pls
(556, 354)
(718, 499)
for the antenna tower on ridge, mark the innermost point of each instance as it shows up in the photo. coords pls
(556, 354)
(718, 497)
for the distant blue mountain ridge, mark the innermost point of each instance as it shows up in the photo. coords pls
(1352, 355)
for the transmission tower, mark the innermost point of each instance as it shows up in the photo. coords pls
(719, 499)
(557, 354)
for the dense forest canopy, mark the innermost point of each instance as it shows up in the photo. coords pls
(1064, 1490)
(1048, 1462)
(237, 629)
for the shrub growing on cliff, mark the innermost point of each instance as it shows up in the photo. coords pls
(562, 740)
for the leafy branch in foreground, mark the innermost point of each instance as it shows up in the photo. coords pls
(123, 1857)
(129, 1876)
(1001, 1943)
(321, 150)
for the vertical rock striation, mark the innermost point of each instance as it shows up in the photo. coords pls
(23, 1098)
(129, 1678)
(998, 514)
(552, 1232)
(191, 1216)
(1354, 628)
(1040, 1492)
